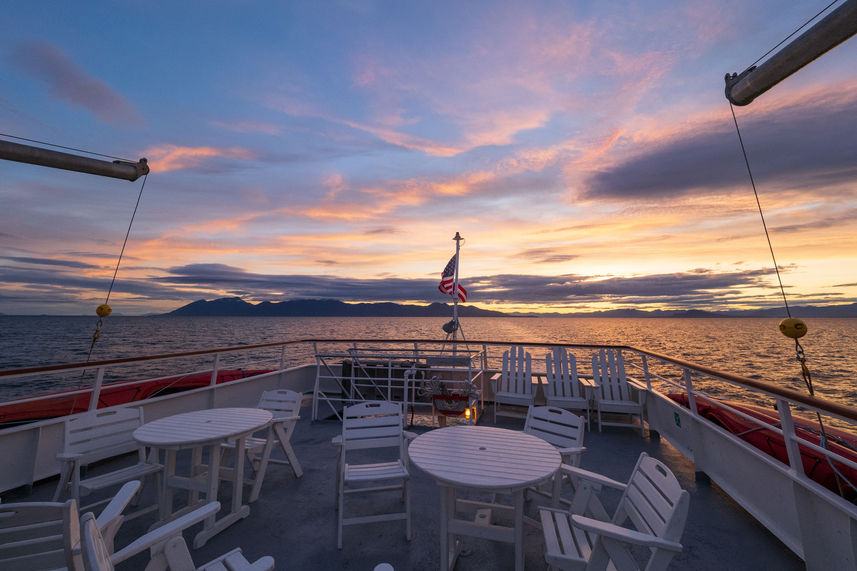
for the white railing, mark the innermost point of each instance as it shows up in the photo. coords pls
(815, 522)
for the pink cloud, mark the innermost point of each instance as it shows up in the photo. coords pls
(69, 82)
(249, 127)
(167, 157)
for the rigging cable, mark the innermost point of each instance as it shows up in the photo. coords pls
(787, 38)
(790, 327)
(104, 309)
(66, 148)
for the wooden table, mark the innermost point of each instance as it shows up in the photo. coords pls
(487, 459)
(197, 430)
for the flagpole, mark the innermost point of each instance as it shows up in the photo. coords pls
(458, 240)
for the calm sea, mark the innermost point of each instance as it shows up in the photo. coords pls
(750, 347)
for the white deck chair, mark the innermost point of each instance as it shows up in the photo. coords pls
(365, 426)
(514, 384)
(564, 389)
(615, 393)
(168, 547)
(46, 535)
(561, 428)
(39, 535)
(652, 502)
(285, 405)
(98, 435)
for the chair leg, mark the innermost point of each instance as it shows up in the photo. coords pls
(289, 451)
(340, 509)
(65, 476)
(262, 468)
(406, 486)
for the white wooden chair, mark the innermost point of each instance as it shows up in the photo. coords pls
(39, 535)
(652, 502)
(98, 435)
(373, 425)
(46, 535)
(563, 388)
(561, 428)
(614, 392)
(168, 549)
(514, 384)
(285, 406)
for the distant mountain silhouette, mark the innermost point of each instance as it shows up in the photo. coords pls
(237, 307)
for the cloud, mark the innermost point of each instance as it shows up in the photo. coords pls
(546, 255)
(789, 145)
(677, 289)
(49, 262)
(67, 81)
(257, 127)
(168, 157)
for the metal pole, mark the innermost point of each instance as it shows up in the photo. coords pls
(831, 31)
(55, 159)
(96, 389)
(458, 240)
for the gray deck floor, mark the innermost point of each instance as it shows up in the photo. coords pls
(295, 522)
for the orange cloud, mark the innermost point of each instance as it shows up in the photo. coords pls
(167, 157)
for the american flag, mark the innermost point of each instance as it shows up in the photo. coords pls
(447, 280)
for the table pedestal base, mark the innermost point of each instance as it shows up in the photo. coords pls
(481, 526)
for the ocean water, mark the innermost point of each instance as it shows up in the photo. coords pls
(750, 347)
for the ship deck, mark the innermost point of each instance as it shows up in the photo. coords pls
(294, 520)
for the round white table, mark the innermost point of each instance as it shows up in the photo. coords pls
(488, 459)
(196, 430)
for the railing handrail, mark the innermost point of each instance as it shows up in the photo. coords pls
(768, 388)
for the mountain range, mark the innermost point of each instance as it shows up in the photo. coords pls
(237, 307)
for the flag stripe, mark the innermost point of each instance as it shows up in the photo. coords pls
(447, 281)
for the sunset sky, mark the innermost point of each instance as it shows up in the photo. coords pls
(584, 150)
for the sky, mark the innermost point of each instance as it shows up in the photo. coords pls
(584, 150)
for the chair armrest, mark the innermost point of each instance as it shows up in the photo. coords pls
(604, 528)
(293, 417)
(588, 383)
(594, 477)
(569, 451)
(118, 503)
(336, 440)
(69, 456)
(639, 385)
(165, 532)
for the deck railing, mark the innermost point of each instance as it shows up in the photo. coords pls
(659, 373)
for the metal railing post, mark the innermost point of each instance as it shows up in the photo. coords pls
(688, 386)
(96, 389)
(646, 373)
(789, 436)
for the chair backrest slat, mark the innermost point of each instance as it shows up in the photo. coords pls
(281, 402)
(38, 535)
(372, 425)
(608, 371)
(557, 426)
(96, 556)
(654, 500)
(103, 433)
(561, 371)
(517, 374)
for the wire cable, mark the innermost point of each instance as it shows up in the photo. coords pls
(761, 213)
(787, 38)
(67, 148)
